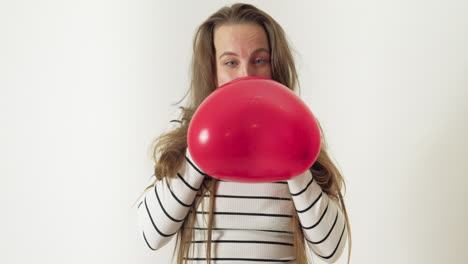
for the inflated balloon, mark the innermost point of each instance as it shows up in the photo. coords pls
(253, 129)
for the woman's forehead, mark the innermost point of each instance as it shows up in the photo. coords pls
(242, 39)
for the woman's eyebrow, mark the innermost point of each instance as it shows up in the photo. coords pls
(261, 49)
(235, 54)
(227, 53)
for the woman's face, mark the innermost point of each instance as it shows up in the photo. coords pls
(241, 50)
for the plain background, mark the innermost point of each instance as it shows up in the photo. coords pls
(87, 85)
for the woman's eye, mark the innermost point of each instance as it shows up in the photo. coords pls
(230, 63)
(259, 60)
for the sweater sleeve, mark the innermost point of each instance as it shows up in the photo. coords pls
(321, 218)
(163, 208)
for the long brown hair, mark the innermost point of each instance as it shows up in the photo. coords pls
(169, 148)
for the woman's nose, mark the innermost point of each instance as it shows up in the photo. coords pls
(246, 71)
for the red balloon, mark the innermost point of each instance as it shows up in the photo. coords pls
(253, 129)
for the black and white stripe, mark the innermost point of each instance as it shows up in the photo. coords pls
(322, 220)
(247, 260)
(165, 206)
(252, 221)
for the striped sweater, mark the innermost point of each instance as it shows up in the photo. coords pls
(252, 221)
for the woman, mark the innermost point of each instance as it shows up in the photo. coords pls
(228, 222)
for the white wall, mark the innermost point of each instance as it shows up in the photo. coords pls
(87, 85)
